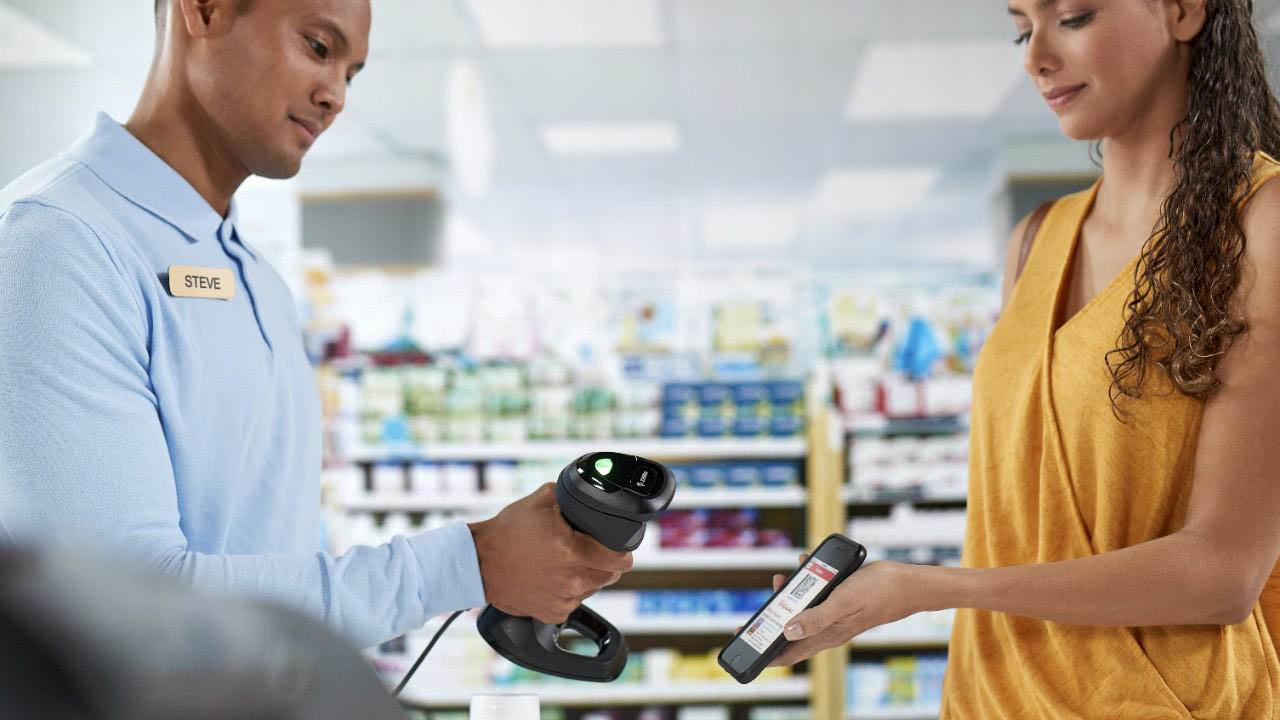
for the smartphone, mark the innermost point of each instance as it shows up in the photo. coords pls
(761, 638)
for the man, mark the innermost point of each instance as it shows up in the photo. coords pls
(154, 392)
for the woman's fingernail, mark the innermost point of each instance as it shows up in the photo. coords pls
(792, 631)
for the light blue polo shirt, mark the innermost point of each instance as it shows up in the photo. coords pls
(183, 431)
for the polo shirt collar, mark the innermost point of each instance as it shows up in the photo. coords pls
(137, 173)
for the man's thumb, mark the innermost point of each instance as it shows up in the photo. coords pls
(810, 622)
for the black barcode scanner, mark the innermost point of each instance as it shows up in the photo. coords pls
(609, 496)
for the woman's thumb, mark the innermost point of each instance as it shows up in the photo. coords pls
(810, 622)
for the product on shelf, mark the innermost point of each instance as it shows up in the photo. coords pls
(800, 712)
(740, 474)
(688, 529)
(657, 604)
(912, 535)
(901, 681)
(923, 467)
(742, 409)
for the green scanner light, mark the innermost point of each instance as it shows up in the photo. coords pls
(604, 466)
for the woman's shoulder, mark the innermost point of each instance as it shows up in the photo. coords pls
(1261, 216)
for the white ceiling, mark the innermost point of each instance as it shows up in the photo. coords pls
(758, 92)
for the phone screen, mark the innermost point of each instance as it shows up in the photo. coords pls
(805, 585)
(761, 640)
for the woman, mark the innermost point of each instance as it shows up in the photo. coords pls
(1124, 514)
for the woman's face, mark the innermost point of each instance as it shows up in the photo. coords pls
(1102, 65)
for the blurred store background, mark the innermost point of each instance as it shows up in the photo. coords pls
(758, 239)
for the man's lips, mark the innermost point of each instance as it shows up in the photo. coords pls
(310, 127)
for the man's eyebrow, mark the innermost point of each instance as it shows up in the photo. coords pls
(332, 28)
(340, 38)
(1042, 4)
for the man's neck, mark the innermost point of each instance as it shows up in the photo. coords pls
(171, 124)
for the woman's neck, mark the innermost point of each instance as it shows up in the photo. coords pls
(1137, 164)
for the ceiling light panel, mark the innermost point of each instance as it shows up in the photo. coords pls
(612, 138)
(934, 79)
(24, 44)
(511, 24)
(857, 194)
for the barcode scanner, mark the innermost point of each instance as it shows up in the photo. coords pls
(609, 496)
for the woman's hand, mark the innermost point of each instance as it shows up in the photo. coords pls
(878, 593)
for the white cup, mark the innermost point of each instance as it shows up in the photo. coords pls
(505, 707)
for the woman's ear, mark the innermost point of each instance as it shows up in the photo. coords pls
(1188, 17)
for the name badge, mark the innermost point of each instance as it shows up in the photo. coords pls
(200, 282)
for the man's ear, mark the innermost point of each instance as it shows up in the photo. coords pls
(206, 18)
(1188, 18)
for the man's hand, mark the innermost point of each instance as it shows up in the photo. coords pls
(534, 565)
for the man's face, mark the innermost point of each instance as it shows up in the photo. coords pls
(279, 77)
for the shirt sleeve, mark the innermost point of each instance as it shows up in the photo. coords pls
(83, 456)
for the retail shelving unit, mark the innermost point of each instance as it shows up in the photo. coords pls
(889, 640)
(583, 695)
(817, 504)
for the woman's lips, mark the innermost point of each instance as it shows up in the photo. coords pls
(1059, 97)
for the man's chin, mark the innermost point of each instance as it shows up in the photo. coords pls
(281, 169)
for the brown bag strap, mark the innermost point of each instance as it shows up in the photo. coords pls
(1029, 235)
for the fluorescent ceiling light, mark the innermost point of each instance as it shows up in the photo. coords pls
(934, 79)
(568, 23)
(750, 226)
(24, 43)
(854, 194)
(612, 138)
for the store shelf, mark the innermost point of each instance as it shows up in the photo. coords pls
(861, 496)
(712, 625)
(927, 712)
(586, 694)
(685, 498)
(714, 559)
(631, 624)
(654, 448)
(902, 642)
(874, 426)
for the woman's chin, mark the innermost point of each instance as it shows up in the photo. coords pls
(1079, 129)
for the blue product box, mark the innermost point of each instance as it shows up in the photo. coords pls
(781, 474)
(707, 476)
(785, 410)
(744, 475)
(714, 394)
(686, 602)
(749, 426)
(650, 603)
(711, 427)
(785, 391)
(679, 393)
(674, 427)
(719, 602)
(750, 394)
(785, 426)
(678, 410)
(680, 474)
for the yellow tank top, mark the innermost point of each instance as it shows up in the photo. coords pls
(1054, 476)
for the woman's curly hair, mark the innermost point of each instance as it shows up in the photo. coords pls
(1180, 317)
